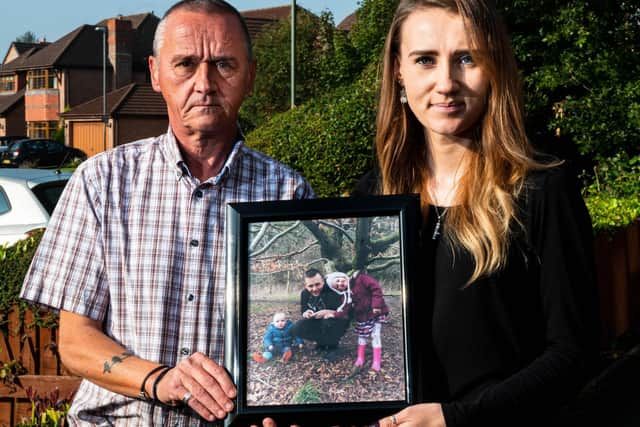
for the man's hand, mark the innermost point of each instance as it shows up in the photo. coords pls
(377, 311)
(308, 314)
(210, 386)
(324, 314)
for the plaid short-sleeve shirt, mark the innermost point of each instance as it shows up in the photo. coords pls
(137, 242)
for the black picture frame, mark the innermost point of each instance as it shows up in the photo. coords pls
(247, 315)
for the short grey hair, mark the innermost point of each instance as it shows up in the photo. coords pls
(205, 6)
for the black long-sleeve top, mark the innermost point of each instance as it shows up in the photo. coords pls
(513, 347)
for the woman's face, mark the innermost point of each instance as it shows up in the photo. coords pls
(446, 89)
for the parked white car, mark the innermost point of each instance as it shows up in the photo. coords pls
(27, 199)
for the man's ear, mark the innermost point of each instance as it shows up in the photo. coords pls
(153, 70)
(252, 77)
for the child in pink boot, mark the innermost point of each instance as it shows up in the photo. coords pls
(370, 312)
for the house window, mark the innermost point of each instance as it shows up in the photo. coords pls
(7, 84)
(41, 129)
(41, 79)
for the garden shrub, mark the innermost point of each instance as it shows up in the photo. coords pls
(613, 198)
(329, 139)
(14, 263)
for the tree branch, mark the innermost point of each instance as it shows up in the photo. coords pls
(290, 254)
(270, 242)
(263, 229)
(337, 227)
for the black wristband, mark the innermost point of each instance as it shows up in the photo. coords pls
(157, 381)
(143, 392)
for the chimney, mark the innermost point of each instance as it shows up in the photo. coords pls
(120, 50)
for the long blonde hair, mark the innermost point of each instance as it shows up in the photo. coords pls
(500, 156)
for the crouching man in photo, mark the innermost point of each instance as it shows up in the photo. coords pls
(320, 322)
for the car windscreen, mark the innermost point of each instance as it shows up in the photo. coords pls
(49, 193)
(15, 145)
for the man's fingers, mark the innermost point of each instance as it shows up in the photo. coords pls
(210, 386)
(207, 400)
(222, 377)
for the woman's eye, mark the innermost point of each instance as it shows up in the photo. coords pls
(466, 59)
(425, 60)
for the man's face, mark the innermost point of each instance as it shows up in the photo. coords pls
(203, 72)
(314, 284)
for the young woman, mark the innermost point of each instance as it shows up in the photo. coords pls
(506, 237)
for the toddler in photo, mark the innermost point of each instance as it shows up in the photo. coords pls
(278, 340)
(370, 312)
(339, 283)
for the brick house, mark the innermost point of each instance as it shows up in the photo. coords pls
(47, 79)
(43, 84)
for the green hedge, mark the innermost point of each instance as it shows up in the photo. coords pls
(329, 139)
(14, 263)
(613, 197)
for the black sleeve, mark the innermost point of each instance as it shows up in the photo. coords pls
(304, 298)
(368, 184)
(560, 232)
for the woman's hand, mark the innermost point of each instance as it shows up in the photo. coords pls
(423, 415)
(268, 422)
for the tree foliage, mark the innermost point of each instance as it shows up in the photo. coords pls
(316, 68)
(326, 58)
(581, 72)
(27, 37)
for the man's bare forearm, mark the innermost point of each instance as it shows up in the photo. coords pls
(86, 351)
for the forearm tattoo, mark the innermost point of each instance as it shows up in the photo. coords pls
(109, 364)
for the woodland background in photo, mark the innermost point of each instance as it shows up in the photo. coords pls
(279, 254)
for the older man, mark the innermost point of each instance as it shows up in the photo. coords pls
(134, 255)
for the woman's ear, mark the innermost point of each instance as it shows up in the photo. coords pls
(397, 76)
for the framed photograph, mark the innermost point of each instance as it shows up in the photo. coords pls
(318, 321)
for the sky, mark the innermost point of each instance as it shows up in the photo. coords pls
(53, 19)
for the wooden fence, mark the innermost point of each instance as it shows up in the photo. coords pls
(618, 270)
(36, 349)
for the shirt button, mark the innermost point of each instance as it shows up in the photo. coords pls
(194, 243)
(199, 194)
(184, 351)
(191, 297)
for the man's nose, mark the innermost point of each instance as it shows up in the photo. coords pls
(205, 77)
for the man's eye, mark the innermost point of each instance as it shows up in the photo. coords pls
(224, 66)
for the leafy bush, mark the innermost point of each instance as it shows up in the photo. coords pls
(613, 196)
(329, 139)
(14, 263)
(581, 72)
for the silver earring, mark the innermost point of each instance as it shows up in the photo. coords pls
(403, 96)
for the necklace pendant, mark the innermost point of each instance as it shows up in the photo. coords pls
(436, 231)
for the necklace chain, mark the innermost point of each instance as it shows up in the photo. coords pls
(432, 193)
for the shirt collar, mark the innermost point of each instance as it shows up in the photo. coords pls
(181, 168)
